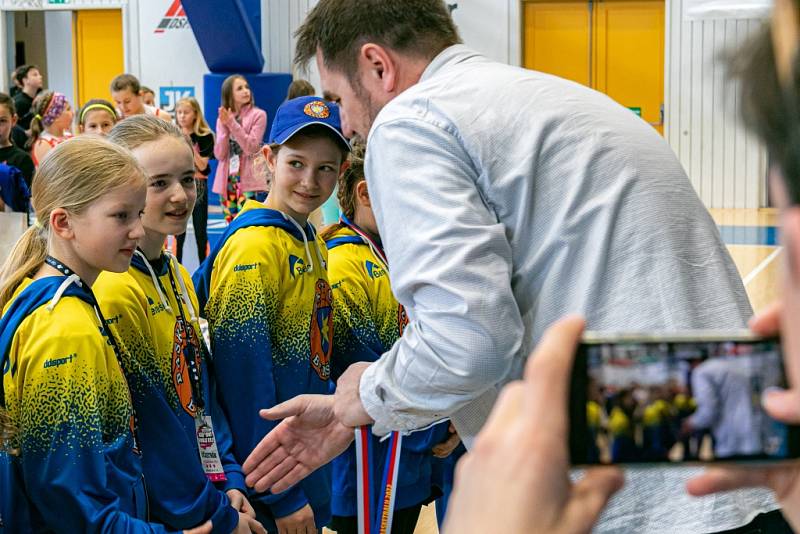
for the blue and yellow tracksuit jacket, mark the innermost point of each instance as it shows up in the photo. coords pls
(264, 290)
(157, 323)
(368, 322)
(77, 468)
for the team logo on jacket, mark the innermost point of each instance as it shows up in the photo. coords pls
(317, 109)
(185, 350)
(322, 329)
(374, 270)
(297, 266)
(402, 319)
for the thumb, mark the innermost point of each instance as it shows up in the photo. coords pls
(589, 496)
(783, 405)
(286, 409)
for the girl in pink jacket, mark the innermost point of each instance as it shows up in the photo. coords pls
(240, 133)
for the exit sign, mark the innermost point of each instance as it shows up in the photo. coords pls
(52, 2)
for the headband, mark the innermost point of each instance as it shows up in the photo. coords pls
(56, 106)
(104, 107)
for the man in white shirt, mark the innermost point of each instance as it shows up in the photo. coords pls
(505, 199)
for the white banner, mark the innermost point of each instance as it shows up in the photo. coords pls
(726, 9)
(171, 62)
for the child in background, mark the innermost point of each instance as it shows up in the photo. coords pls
(190, 118)
(97, 116)
(265, 293)
(52, 119)
(29, 78)
(149, 96)
(240, 133)
(9, 153)
(153, 308)
(75, 459)
(127, 94)
(300, 88)
(368, 320)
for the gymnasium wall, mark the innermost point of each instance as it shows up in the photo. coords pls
(725, 165)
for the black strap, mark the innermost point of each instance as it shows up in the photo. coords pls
(106, 330)
(195, 371)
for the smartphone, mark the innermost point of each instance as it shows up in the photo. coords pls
(677, 398)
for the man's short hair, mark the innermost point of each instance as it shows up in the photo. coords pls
(339, 28)
(769, 110)
(126, 81)
(22, 72)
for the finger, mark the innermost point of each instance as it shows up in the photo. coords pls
(259, 470)
(248, 509)
(294, 406)
(726, 479)
(590, 496)
(267, 481)
(255, 526)
(298, 473)
(783, 405)
(547, 375)
(768, 322)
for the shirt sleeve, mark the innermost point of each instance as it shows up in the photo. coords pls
(451, 267)
(250, 140)
(242, 348)
(221, 143)
(65, 457)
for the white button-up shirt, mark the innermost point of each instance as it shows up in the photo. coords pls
(507, 198)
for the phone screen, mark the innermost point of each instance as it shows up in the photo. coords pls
(675, 400)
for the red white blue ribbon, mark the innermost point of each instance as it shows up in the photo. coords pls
(379, 522)
(377, 249)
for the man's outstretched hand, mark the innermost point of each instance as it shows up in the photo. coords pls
(309, 437)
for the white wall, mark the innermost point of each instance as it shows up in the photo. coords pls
(169, 62)
(726, 166)
(60, 68)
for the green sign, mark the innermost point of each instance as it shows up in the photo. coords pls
(57, 1)
(638, 111)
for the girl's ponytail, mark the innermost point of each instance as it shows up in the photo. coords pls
(38, 108)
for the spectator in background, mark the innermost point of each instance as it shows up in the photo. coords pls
(149, 96)
(30, 80)
(50, 126)
(127, 94)
(10, 154)
(240, 136)
(15, 86)
(300, 88)
(190, 118)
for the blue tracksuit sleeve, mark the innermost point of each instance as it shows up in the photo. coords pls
(244, 368)
(222, 431)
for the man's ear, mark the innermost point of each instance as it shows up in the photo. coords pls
(378, 68)
(60, 224)
(362, 194)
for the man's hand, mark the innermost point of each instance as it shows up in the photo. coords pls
(240, 503)
(784, 406)
(300, 522)
(348, 408)
(515, 480)
(308, 437)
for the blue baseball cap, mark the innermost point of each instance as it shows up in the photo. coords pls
(298, 113)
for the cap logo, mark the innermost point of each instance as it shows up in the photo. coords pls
(317, 109)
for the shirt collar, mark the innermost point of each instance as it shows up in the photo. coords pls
(450, 55)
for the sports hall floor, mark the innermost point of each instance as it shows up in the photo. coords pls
(752, 239)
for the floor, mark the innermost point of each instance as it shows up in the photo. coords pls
(751, 236)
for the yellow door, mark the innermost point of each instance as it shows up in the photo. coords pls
(557, 39)
(629, 51)
(626, 57)
(99, 53)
